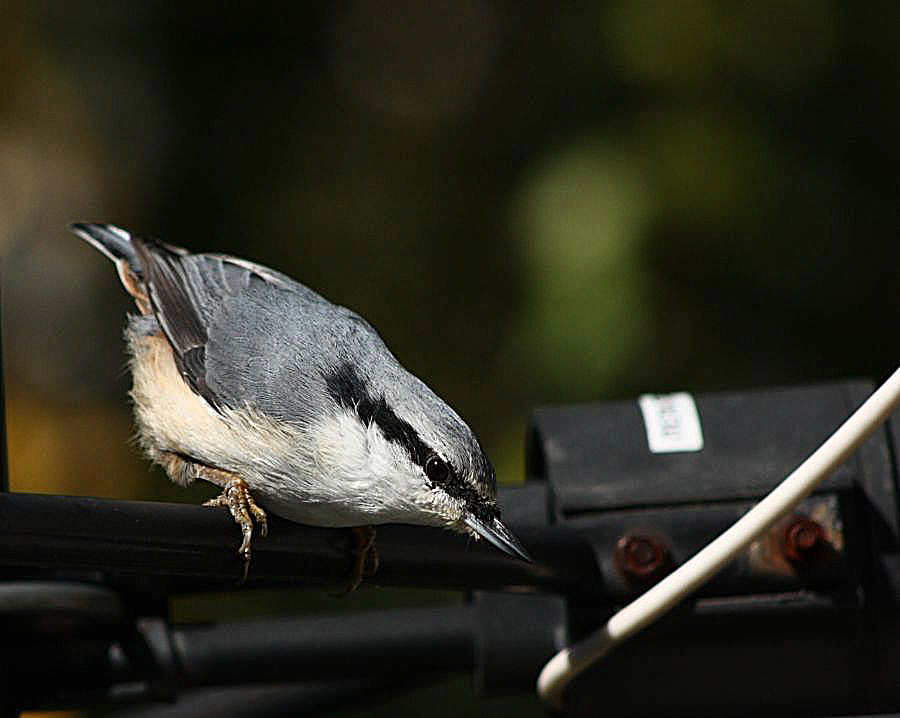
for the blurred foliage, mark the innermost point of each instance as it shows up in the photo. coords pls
(533, 202)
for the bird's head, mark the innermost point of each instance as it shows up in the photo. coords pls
(437, 465)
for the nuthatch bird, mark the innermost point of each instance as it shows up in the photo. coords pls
(248, 379)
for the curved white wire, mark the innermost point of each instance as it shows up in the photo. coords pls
(649, 606)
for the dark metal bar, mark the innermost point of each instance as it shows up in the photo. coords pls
(270, 700)
(94, 661)
(193, 548)
(365, 645)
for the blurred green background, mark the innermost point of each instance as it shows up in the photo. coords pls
(532, 202)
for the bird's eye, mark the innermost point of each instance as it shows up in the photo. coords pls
(436, 469)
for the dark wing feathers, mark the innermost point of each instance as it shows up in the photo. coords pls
(177, 310)
(171, 296)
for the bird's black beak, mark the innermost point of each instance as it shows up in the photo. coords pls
(496, 533)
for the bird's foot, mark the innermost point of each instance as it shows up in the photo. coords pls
(236, 496)
(365, 557)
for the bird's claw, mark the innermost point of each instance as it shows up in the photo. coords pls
(236, 496)
(365, 557)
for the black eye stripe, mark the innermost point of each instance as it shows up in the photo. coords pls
(349, 390)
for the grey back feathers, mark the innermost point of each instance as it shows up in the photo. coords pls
(244, 335)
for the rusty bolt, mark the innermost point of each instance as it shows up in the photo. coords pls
(802, 538)
(641, 557)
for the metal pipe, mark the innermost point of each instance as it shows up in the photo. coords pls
(365, 645)
(195, 548)
(285, 700)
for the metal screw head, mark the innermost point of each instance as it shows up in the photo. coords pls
(640, 556)
(802, 538)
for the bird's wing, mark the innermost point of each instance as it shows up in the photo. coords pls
(177, 303)
(246, 335)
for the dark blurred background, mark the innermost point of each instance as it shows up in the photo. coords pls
(532, 202)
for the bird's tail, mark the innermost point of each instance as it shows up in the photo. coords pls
(123, 250)
(114, 242)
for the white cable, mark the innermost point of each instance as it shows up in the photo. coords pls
(649, 606)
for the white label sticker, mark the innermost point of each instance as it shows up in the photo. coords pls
(672, 422)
